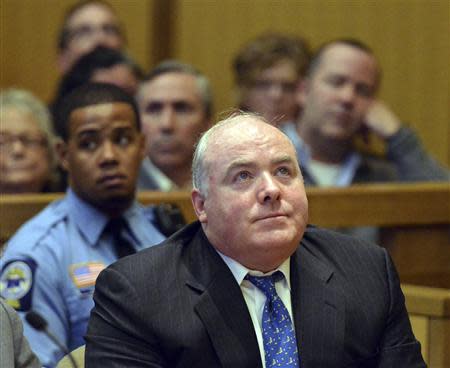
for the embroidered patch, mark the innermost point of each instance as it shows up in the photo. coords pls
(84, 274)
(16, 283)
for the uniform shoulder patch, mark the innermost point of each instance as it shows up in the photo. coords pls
(17, 281)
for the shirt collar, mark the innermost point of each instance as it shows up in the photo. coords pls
(162, 181)
(239, 271)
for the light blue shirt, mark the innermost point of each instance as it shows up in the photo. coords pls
(51, 263)
(348, 167)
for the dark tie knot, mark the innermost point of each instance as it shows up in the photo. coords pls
(117, 227)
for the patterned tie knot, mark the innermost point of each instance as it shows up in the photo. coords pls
(267, 284)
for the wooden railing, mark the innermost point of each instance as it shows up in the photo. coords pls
(414, 218)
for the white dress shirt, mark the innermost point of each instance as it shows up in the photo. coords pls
(255, 298)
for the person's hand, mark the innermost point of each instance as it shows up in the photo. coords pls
(381, 120)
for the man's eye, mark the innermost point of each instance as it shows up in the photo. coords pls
(153, 108)
(183, 107)
(88, 144)
(335, 81)
(111, 29)
(123, 140)
(243, 176)
(364, 90)
(283, 171)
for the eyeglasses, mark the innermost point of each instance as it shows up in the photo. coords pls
(265, 85)
(32, 142)
(86, 32)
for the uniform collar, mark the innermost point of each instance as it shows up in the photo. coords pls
(91, 221)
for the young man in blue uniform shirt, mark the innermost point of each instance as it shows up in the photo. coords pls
(51, 263)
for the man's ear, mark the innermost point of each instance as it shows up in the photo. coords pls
(302, 89)
(198, 202)
(61, 153)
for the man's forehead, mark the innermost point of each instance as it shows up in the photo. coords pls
(347, 53)
(107, 111)
(244, 134)
(170, 86)
(89, 14)
(273, 159)
(176, 80)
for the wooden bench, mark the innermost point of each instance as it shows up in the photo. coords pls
(429, 311)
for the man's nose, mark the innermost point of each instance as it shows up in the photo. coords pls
(347, 94)
(108, 153)
(168, 119)
(18, 148)
(276, 91)
(101, 37)
(269, 189)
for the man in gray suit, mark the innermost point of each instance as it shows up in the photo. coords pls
(251, 275)
(15, 351)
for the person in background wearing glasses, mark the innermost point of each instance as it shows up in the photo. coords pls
(88, 24)
(267, 71)
(27, 161)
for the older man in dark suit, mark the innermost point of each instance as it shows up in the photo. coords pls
(250, 284)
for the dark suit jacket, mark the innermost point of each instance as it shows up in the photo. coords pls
(178, 305)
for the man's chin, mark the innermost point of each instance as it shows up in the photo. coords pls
(117, 201)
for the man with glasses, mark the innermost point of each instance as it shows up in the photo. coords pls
(267, 71)
(26, 138)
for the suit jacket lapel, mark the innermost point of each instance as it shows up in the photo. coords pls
(221, 305)
(318, 310)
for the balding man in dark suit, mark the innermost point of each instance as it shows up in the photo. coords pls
(250, 284)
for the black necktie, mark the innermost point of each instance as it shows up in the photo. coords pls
(116, 227)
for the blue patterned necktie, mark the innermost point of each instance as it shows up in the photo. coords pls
(280, 344)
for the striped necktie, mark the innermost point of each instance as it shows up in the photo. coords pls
(280, 344)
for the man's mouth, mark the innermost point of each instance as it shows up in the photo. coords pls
(271, 216)
(112, 180)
